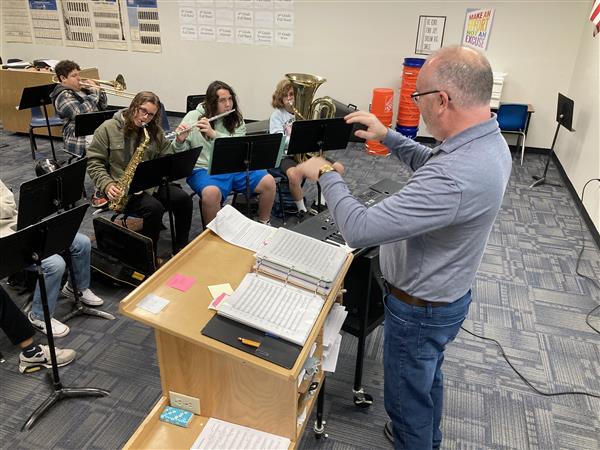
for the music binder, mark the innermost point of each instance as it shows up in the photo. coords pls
(300, 260)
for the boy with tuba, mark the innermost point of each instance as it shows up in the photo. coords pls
(70, 98)
(135, 133)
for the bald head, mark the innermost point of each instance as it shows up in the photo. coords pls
(464, 73)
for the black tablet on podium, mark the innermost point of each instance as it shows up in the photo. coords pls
(275, 350)
(319, 135)
(47, 194)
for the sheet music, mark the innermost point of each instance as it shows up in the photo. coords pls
(333, 324)
(221, 435)
(271, 306)
(237, 229)
(304, 254)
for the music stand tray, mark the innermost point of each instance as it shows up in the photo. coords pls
(319, 135)
(241, 153)
(39, 96)
(155, 172)
(86, 124)
(32, 245)
(47, 194)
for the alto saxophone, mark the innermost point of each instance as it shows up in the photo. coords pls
(119, 203)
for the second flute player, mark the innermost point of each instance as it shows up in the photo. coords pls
(200, 131)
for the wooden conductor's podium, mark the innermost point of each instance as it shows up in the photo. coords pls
(12, 82)
(232, 385)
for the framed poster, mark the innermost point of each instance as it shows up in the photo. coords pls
(478, 25)
(430, 34)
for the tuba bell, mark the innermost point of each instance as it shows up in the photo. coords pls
(305, 108)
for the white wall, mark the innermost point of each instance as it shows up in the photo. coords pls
(358, 46)
(579, 152)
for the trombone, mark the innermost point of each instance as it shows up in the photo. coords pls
(113, 87)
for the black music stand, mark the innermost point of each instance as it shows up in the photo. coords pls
(30, 246)
(161, 172)
(246, 153)
(564, 117)
(319, 135)
(39, 96)
(49, 194)
(86, 124)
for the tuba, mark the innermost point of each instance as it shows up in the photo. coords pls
(305, 86)
(118, 205)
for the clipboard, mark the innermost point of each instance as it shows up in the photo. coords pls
(277, 351)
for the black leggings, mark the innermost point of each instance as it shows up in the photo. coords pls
(152, 207)
(12, 320)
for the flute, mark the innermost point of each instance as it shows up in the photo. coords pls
(174, 134)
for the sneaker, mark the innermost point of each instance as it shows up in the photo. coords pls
(98, 200)
(300, 215)
(42, 359)
(86, 296)
(59, 329)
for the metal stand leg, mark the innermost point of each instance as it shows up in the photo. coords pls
(319, 426)
(60, 392)
(361, 398)
(78, 306)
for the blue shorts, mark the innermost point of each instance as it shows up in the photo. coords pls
(199, 179)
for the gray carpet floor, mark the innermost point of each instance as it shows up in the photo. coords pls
(526, 295)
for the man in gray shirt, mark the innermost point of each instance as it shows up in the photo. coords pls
(432, 233)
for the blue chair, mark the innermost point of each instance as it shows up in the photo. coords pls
(164, 120)
(512, 119)
(38, 120)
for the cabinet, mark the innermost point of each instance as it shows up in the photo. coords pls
(232, 385)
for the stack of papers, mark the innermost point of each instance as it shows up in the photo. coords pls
(332, 339)
(221, 435)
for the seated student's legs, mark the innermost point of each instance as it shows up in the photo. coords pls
(262, 183)
(212, 189)
(181, 205)
(21, 333)
(151, 210)
(53, 268)
(80, 258)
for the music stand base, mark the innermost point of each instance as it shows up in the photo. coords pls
(542, 180)
(79, 308)
(59, 394)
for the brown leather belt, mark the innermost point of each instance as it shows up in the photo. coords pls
(410, 300)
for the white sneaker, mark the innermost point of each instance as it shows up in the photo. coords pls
(42, 359)
(59, 329)
(87, 297)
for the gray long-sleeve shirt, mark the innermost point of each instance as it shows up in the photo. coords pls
(433, 232)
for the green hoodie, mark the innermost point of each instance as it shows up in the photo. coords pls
(197, 139)
(110, 152)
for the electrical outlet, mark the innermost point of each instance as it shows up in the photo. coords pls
(191, 404)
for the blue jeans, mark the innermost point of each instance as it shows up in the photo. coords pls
(54, 268)
(414, 342)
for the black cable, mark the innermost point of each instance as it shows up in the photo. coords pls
(525, 380)
(595, 282)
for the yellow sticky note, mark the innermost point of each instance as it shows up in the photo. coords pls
(219, 289)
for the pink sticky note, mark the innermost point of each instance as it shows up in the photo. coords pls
(215, 303)
(181, 282)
